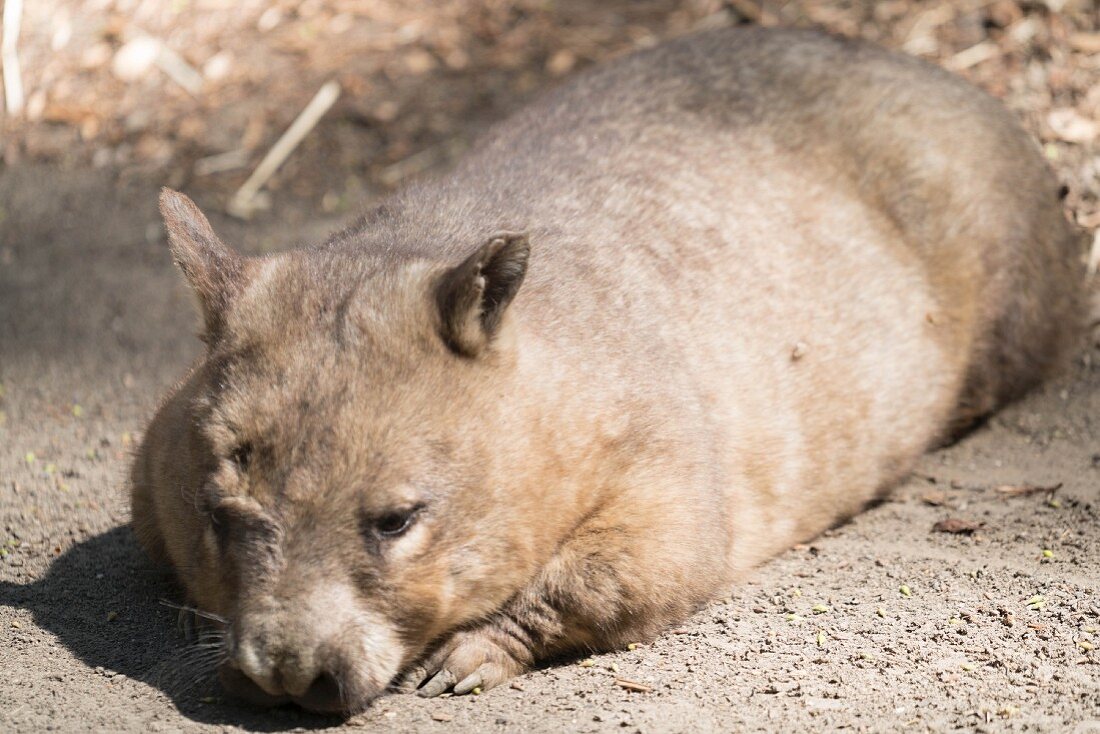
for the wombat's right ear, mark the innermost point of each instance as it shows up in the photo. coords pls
(214, 270)
(473, 296)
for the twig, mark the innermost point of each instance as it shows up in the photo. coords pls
(972, 56)
(178, 70)
(9, 56)
(632, 685)
(143, 50)
(1022, 490)
(243, 204)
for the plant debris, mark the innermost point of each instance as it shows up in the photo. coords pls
(633, 685)
(1023, 490)
(935, 499)
(955, 526)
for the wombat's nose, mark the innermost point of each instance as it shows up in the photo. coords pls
(277, 671)
(270, 679)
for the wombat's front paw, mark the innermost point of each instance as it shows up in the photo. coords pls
(476, 659)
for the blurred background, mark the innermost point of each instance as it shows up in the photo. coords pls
(195, 92)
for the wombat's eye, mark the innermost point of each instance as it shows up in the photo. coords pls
(241, 456)
(395, 523)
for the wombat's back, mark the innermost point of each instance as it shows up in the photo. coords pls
(820, 255)
(960, 183)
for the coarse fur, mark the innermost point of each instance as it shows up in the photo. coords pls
(687, 310)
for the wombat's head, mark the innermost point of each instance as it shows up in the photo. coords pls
(354, 493)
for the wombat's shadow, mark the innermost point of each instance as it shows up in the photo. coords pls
(103, 600)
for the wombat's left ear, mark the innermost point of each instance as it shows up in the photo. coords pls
(214, 270)
(473, 296)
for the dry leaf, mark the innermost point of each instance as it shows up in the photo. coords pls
(631, 685)
(956, 526)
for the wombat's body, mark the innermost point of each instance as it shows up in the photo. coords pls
(768, 269)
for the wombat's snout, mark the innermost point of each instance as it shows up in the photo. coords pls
(270, 675)
(272, 661)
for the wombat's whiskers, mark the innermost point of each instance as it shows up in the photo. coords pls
(191, 666)
(197, 612)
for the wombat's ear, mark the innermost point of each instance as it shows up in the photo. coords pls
(215, 271)
(473, 296)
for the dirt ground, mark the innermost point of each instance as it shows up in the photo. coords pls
(881, 625)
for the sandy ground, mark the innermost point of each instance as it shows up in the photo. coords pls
(88, 343)
(992, 635)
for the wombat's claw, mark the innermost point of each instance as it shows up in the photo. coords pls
(472, 661)
(439, 683)
(470, 682)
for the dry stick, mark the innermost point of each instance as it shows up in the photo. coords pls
(1022, 490)
(633, 685)
(243, 202)
(182, 73)
(9, 56)
(972, 56)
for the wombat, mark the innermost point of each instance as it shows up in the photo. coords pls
(677, 315)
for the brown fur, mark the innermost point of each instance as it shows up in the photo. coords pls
(767, 270)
